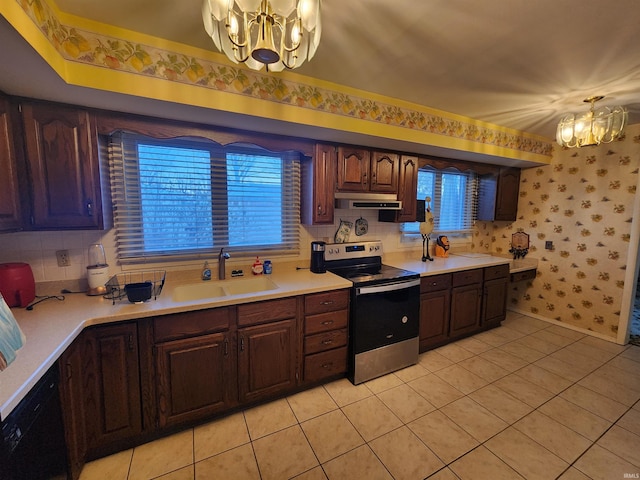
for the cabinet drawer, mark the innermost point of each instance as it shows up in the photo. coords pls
(325, 364)
(435, 283)
(524, 275)
(189, 324)
(269, 311)
(325, 341)
(498, 271)
(324, 322)
(467, 277)
(326, 302)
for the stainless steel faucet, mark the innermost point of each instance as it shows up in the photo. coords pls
(222, 257)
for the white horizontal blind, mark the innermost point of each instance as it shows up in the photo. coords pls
(454, 200)
(184, 199)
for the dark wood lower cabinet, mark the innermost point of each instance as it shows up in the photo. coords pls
(435, 308)
(100, 391)
(113, 383)
(267, 360)
(73, 407)
(494, 305)
(461, 303)
(466, 301)
(195, 378)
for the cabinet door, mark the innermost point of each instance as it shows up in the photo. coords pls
(195, 378)
(10, 218)
(494, 305)
(465, 309)
(61, 151)
(507, 194)
(318, 186)
(353, 170)
(111, 372)
(73, 407)
(434, 318)
(498, 195)
(408, 189)
(384, 172)
(267, 360)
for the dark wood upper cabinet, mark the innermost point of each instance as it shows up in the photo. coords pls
(353, 169)
(360, 170)
(407, 192)
(318, 185)
(62, 159)
(384, 172)
(498, 195)
(10, 214)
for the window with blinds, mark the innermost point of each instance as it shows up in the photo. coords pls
(185, 199)
(454, 200)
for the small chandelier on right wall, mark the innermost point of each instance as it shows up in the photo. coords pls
(594, 127)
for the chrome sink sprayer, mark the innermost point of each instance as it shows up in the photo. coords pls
(222, 257)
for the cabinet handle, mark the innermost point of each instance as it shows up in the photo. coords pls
(89, 208)
(320, 209)
(131, 342)
(69, 370)
(327, 302)
(242, 344)
(226, 347)
(327, 342)
(327, 322)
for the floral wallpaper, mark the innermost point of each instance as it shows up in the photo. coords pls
(120, 54)
(583, 203)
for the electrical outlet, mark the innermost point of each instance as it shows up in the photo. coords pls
(63, 258)
(548, 245)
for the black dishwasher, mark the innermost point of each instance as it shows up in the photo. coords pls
(33, 445)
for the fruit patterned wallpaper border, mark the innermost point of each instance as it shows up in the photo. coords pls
(95, 49)
(583, 202)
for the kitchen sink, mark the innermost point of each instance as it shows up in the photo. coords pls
(249, 285)
(203, 290)
(197, 291)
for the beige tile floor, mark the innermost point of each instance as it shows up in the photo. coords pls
(526, 400)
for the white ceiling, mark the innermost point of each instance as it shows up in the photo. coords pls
(516, 63)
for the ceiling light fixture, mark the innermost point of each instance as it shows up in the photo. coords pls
(594, 127)
(277, 33)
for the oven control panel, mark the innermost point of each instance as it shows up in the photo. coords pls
(343, 251)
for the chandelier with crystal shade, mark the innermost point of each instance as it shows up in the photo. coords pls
(277, 34)
(602, 125)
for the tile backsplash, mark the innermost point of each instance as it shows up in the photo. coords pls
(38, 249)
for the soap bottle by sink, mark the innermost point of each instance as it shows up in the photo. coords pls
(206, 271)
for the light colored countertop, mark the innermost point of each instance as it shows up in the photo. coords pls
(456, 262)
(53, 325)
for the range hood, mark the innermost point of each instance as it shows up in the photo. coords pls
(367, 201)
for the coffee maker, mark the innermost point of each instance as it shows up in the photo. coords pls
(317, 257)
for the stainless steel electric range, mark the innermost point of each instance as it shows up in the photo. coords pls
(385, 309)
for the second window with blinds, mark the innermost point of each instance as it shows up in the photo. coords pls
(454, 200)
(181, 199)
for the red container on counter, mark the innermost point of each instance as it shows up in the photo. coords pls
(17, 284)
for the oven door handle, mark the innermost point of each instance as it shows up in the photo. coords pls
(388, 287)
